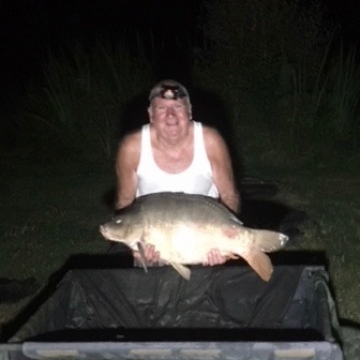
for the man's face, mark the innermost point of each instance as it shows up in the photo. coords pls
(171, 118)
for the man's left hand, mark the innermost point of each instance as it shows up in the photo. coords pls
(214, 258)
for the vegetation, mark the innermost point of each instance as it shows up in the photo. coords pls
(78, 102)
(293, 99)
(278, 69)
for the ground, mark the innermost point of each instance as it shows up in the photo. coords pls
(51, 209)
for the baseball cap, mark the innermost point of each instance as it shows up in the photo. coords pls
(169, 89)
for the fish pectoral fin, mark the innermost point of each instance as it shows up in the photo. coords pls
(184, 271)
(260, 262)
(142, 256)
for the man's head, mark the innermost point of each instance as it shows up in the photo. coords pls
(170, 109)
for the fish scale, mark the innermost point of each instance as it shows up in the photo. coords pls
(184, 228)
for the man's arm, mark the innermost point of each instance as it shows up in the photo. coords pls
(223, 175)
(126, 163)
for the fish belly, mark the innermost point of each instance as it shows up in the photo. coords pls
(189, 245)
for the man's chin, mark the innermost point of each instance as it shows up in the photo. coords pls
(173, 130)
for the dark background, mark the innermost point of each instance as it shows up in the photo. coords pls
(169, 30)
(29, 28)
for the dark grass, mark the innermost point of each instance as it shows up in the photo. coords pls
(49, 212)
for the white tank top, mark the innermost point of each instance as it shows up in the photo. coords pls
(196, 179)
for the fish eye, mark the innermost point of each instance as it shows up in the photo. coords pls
(118, 221)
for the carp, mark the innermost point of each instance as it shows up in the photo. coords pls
(185, 227)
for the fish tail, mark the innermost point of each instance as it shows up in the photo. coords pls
(263, 241)
(260, 262)
(268, 241)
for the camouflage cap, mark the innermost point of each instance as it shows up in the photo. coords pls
(169, 89)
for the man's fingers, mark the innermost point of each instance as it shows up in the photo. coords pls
(151, 255)
(149, 250)
(214, 258)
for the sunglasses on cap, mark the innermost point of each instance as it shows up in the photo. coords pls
(170, 92)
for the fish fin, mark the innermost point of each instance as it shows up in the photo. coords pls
(269, 241)
(260, 262)
(142, 256)
(231, 256)
(184, 271)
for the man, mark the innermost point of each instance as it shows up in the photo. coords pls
(174, 153)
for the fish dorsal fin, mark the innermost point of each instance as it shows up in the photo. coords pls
(260, 262)
(184, 271)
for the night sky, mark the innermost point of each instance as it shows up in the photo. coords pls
(28, 28)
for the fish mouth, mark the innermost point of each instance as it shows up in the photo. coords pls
(105, 233)
(103, 230)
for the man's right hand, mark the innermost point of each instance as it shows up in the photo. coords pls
(152, 257)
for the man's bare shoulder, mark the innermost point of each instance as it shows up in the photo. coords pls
(130, 143)
(212, 137)
(128, 154)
